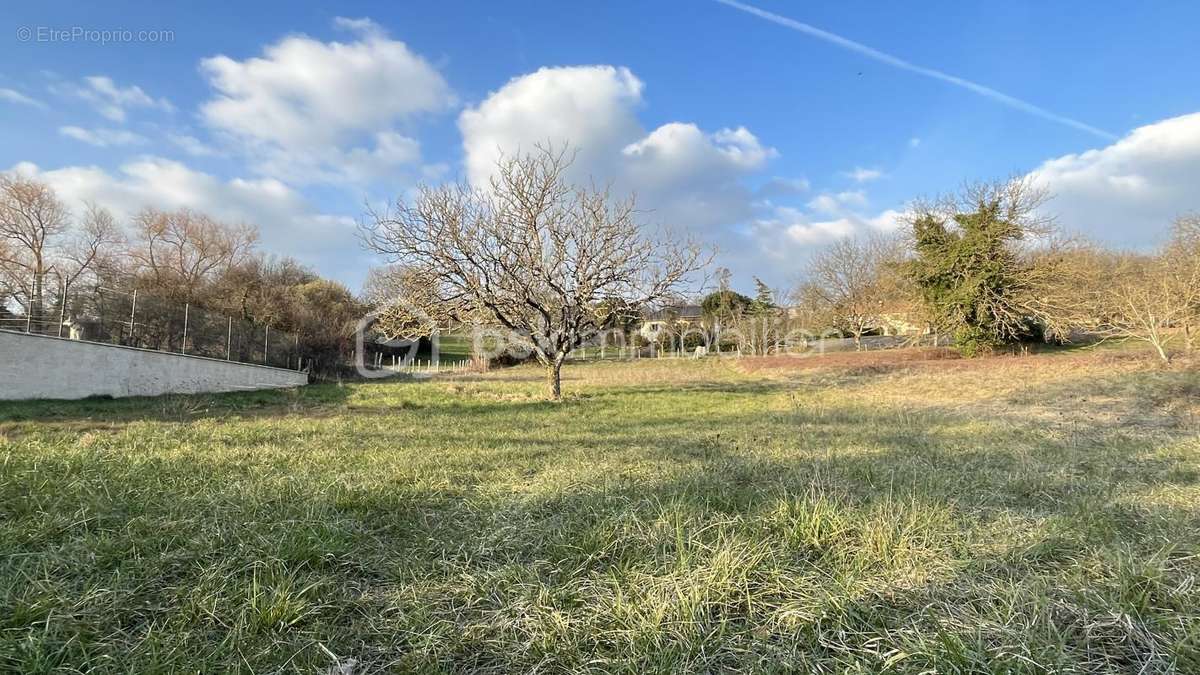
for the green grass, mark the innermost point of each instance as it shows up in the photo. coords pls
(451, 348)
(1019, 515)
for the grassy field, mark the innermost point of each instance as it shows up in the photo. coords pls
(888, 514)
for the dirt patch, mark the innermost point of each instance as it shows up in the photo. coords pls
(938, 359)
(854, 362)
(1075, 391)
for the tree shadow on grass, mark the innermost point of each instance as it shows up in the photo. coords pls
(730, 559)
(797, 537)
(173, 407)
(1093, 552)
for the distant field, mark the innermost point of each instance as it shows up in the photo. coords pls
(865, 513)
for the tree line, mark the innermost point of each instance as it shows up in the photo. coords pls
(557, 264)
(554, 264)
(989, 268)
(179, 257)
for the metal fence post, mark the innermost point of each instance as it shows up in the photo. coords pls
(229, 340)
(62, 308)
(297, 347)
(266, 338)
(183, 343)
(132, 315)
(29, 305)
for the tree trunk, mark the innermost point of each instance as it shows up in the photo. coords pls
(35, 297)
(1162, 352)
(554, 378)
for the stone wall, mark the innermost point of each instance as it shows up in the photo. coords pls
(39, 366)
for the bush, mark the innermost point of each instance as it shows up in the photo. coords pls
(973, 341)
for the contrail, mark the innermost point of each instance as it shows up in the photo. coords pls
(900, 63)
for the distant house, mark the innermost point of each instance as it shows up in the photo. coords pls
(653, 323)
(8, 319)
(900, 323)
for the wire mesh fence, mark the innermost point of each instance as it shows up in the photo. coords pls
(96, 313)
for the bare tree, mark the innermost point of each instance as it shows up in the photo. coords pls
(41, 243)
(179, 252)
(1145, 299)
(850, 283)
(32, 221)
(531, 253)
(807, 310)
(409, 319)
(1183, 257)
(93, 245)
(1151, 298)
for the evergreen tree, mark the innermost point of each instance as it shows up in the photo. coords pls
(970, 273)
(764, 297)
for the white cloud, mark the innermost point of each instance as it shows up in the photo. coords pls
(102, 138)
(1130, 191)
(887, 221)
(788, 229)
(288, 222)
(679, 148)
(14, 96)
(390, 150)
(784, 187)
(861, 175)
(359, 25)
(825, 203)
(688, 177)
(837, 203)
(914, 142)
(777, 244)
(820, 232)
(192, 145)
(313, 111)
(592, 107)
(110, 99)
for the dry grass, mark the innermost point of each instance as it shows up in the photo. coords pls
(1033, 514)
(1106, 388)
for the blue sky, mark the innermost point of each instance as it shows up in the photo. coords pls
(765, 140)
